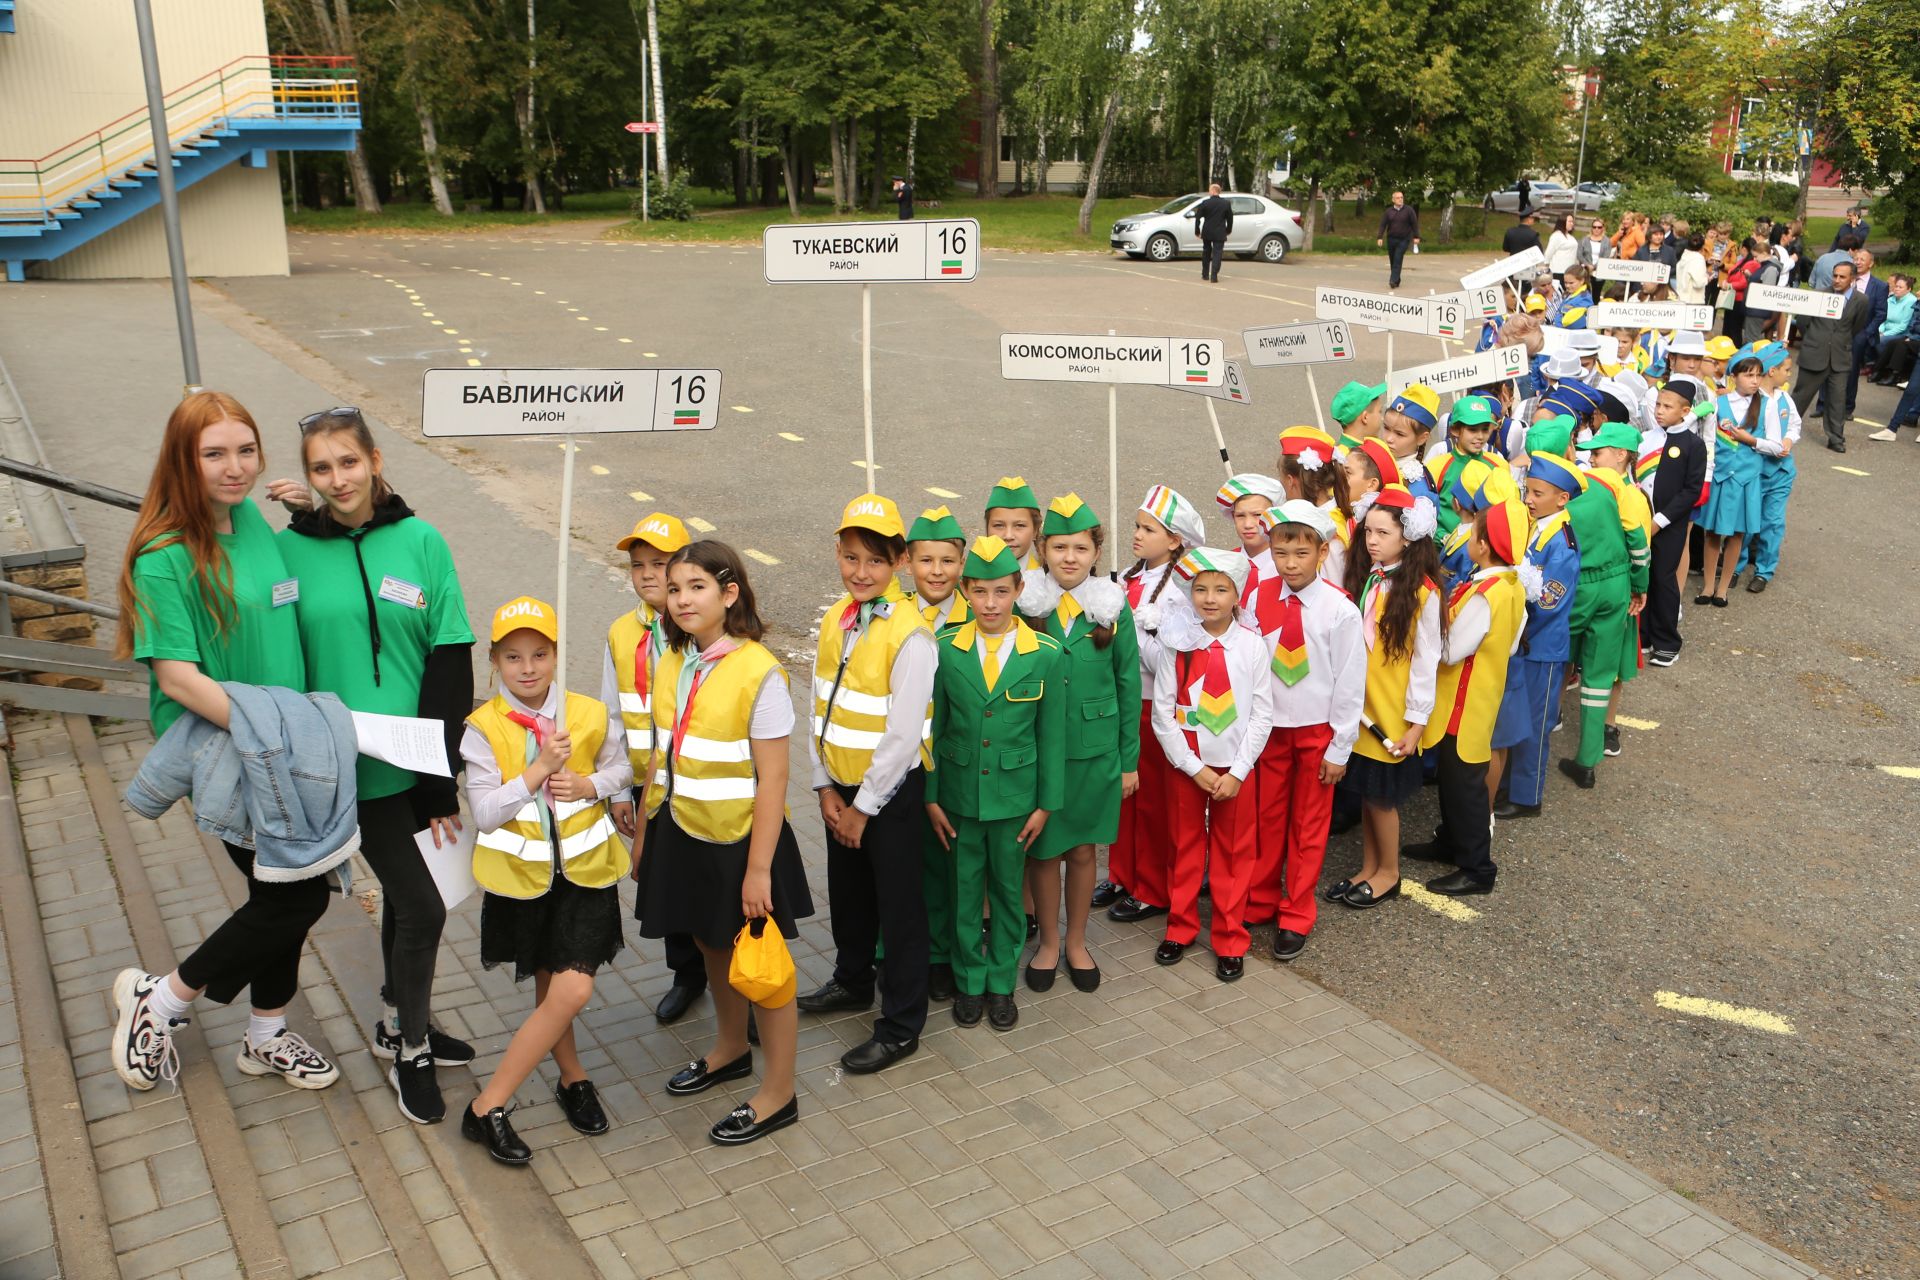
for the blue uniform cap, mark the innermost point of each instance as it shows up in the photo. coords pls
(1555, 471)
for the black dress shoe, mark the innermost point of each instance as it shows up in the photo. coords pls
(1337, 890)
(674, 1005)
(1129, 909)
(1084, 979)
(1362, 897)
(967, 1009)
(1287, 945)
(1509, 809)
(1838, 446)
(1229, 968)
(1106, 893)
(876, 1055)
(696, 1078)
(582, 1106)
(495, 1132)
(1582, 774)
(1734, 581)
(1758, 584)
(1002, 1013)
(1033, 926)
(1039, 979)
(1460, 885)
(940, 982)
(1720, 602)
(1428, 851)
(742, 1126)
(1169, 952)
(833, 998)
(1703, 598)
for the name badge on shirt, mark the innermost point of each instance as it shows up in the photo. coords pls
(402, 592)
(286, 592)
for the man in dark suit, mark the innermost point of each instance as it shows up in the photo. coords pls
(1520, 237)
(903, 196)
(1875, 292)
(1826, 358)
(1213, 219)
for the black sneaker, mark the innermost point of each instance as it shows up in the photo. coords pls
(1613, 740)
(418, 1089)
(495, 1132)
(1663, 658)
(447, 1052)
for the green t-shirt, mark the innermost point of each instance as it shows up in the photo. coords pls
(263, 644)
(416, 600)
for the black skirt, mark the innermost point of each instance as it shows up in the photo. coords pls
(566, 927)
(692, 887)
(1382, 784)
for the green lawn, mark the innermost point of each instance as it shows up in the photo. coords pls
(584, 206)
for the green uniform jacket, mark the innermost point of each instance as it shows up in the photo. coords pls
(1101, 688)
(1595, 518)
(998, 755)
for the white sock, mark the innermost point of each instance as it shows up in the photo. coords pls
(166, 1004)
(262, 1029)
(408, 1052)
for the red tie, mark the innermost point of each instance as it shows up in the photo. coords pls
(1134, 589)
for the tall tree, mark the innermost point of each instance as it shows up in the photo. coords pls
(989, 159)
(318, 29)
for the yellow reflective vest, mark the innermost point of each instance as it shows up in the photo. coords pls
(517, 859)
(1386, 695)
(851, 702)
(707, 776)
(630, 645)
(1467, 694)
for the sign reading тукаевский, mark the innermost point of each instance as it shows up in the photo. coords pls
(531, 402)
(1080, 357)
(930, 249)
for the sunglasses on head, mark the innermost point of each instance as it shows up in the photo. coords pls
(339, 413)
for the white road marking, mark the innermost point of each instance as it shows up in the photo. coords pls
(1719, 1011)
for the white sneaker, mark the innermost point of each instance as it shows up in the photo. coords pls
(288, 1056)
(1883, 435)
(143, 1053)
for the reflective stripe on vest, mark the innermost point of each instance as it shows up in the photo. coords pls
(710, 779)
(517, 859)
(624, 638)
(851, 720)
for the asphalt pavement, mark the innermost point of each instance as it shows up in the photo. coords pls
(1747, 849)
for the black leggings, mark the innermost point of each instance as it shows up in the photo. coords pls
(414, 915)
(259, 944)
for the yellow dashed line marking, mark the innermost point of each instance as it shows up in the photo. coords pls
(941, 493)
(1630, 723)
(540, 292)
(1900, 771)
(639, 495)
(1439, 903)
(655, 355)
(584, 319)
(627, 340)
(738, 408)
(599, 328)
(599, 470)
(1852, 471)
(761, 556)
(451, 332)
(474, 363)
(1869, 422)
(788, 435)
(699, 525)
(1719, 1011)
(862, 462)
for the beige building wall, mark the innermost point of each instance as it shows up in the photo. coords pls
(73, 66)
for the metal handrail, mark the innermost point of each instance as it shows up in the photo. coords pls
(67, 484)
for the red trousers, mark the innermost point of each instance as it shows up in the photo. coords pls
(1296, 812)
(1138, 858)
(1223, 833)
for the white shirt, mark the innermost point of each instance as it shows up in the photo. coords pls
(1172, 601)
(1779, 425)
(1236, 750)
(1470, 626)
(492, 801)
(898, 752)
(1335, 569)
(1335, 686)
(1423, 672)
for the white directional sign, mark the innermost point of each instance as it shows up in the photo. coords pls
(1447, 314)
(1629, 269)
(1233, 386)
(1650, 315)
(1486, 303)
(1375, 310)
(1079, 357)
(1316, 342)
(1465, 372)
(1519, 264)
(533, 402)
(1795, 302)
(934, 249)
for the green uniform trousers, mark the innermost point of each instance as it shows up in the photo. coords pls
(1600, 650)
(988, 866)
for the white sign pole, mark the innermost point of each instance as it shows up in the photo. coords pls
(866, 376)
(1219, 439)
(1389, 355)
(1113, 471)
(1313, 393)
(560, 592)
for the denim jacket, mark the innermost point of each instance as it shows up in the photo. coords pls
(280, 781)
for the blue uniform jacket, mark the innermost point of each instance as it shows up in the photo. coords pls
(1546, 638)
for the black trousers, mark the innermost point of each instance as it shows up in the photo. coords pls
(1660, 621)
(258, 945)
(878, 893)
(1830, 386)
(1210, 251)
(1396, 254)
(1465, 821)
(413, 915)
(683, 956)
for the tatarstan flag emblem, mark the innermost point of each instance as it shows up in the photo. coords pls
(686, 417)
(1196, 375)
(950, 266)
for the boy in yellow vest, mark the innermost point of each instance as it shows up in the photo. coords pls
(872, 690)
(635, 642)
(936, 552)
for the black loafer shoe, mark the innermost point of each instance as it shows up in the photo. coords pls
(1130, 909)
(742, 1126)
(1033, 927)
(1460, 885)
(1508, 809)
(582, 1106)
(1169, 952)
(1758, 585)
(1337, 890)
(1582, 774)
(1427, 851)
(1084, 979)
(967, 1009)
(495, 1132)
(1703, 599)
(1362, 897)
(876, 1055)
(696, 1078)
(1039, 979)
(1229, 968)
(674, 1005)
(833, 998)
(1287, 945)
(1106, 893)
(1002, 1012)
(940, 982)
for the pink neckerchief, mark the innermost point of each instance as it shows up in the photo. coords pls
(692, 676)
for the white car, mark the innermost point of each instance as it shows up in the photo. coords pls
(1261, 228)
(1543, 197)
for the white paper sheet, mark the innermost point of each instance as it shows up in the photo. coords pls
(419, 745)
(451, 865)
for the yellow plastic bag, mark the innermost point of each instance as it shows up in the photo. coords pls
(762, 968)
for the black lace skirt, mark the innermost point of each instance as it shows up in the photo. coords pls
(566, 927)
(692, 887)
